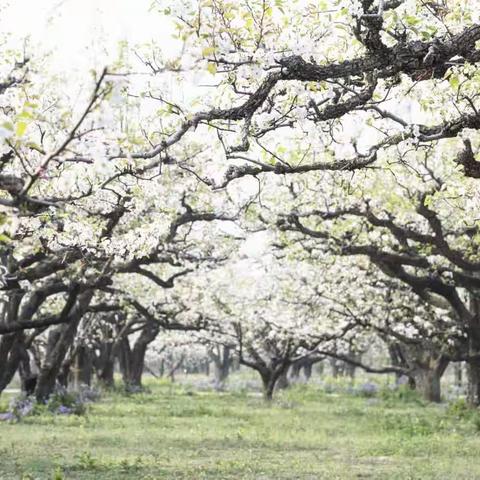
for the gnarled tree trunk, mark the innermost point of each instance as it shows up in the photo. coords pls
(427, 373)
(270, 374)
(12, 345)
(134, 358)
(59, 342)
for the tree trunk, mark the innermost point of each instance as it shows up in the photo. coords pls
(59, 342)
(12, 346)
(136, 368)
(337, 367)
(268, 382)
(235, 366)
(270, 376)
(124, 359)
(295, 371)
(174, 368)
(427, 378)
(458, 374)
(428, 384)
(104, 363)
(65, 373)
(134, 371)
(412, 384)
(473, 386)
(222, 360)
(473, 365)
(350, 370)
(106, 375)
(307, 370)
(25, 372)
(282, 381)
(82, 372)
(306, 365)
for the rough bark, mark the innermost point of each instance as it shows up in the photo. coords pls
(60, 340)
(473, 385)
(427, 373)
(12, 346)
(270, 375)
(105, 365)
(134, 358)
(11, 353)
(473, 363)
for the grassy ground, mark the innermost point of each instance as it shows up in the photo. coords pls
(177, 433)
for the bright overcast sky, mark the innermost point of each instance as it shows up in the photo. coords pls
(84, 33)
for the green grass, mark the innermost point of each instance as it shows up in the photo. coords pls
(176, 433)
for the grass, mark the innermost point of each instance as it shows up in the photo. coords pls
(307, 433)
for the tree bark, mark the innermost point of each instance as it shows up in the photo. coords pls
(270, 376)
(133, 372)
(105, 365)
(473, 365)
(83, 366)
(427, 378)
(473, 385)
(282, 381)
(222, 360)
(428, 384)
(65, 373)
(174, 368)
(268, 385)
(124, 359)
(295, 371)
(12, 346)
(458, 374)
(307, 369)
(59, 342)
(11, 353)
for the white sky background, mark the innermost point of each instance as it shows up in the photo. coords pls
(84, 34)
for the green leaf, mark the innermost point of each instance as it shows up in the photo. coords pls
(208, 51)
(212, 68)
(454, 81)
(8, 125)
(411, 20)
(21, 127)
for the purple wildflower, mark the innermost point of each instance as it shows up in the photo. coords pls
(7, 417)
(64, 410)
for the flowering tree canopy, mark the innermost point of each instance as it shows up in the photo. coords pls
(295, 180)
